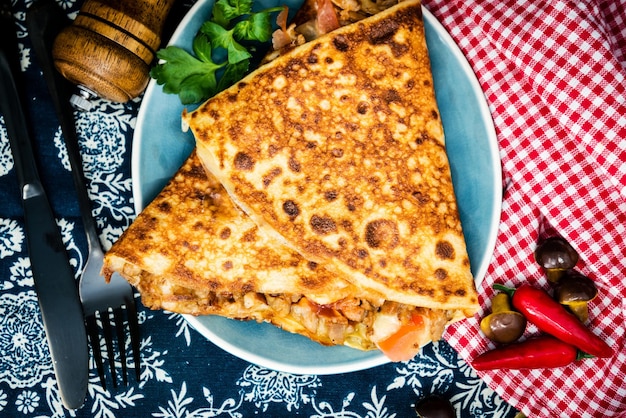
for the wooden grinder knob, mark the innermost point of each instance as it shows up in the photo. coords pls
(110, 46)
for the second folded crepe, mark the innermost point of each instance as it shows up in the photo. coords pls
(191, 250)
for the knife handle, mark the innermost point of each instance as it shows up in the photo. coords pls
(111, 45)
(15, 122)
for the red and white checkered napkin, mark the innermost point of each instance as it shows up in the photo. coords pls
(553, 73)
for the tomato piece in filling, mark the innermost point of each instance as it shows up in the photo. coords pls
(405, 343)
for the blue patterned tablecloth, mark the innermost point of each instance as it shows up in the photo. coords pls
(182, 373)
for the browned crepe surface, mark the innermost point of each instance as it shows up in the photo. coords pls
(191, 250)
(336, 148)
(193, 236)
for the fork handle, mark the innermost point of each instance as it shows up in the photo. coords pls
(45, 20)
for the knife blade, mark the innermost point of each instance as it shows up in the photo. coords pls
(55, 285)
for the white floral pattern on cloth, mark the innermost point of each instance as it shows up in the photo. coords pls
(284, 394)
(11, 237)
(24, 355)
(6, 159)
(263, 386)
(102, 134)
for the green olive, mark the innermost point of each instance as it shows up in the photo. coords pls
(575, 290)
(556, 256)
(435, 406)
(503, 324)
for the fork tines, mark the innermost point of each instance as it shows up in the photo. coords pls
(107, 320)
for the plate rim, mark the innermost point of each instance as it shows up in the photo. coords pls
(377, 359)
(492, 140)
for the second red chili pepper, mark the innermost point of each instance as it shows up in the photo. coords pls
(552, 318)
(535, 353)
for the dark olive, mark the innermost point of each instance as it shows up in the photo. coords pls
(435, 406)
(575, 290)
(556, 256)
(503, 324)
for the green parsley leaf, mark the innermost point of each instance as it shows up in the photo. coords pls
(225, 11)
(222, 51)
(181, 73)
(222, 38)
(257, 27)
(202, 47)
(232, 74)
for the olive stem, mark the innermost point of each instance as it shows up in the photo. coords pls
(508, 290)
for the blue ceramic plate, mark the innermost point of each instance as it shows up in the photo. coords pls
(160, 147)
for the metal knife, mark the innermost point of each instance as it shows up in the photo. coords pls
(56, 287)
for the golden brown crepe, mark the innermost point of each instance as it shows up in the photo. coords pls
(336, 149)
(191, 250)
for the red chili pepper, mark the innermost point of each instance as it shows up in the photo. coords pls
(552, 318)
(535, 353)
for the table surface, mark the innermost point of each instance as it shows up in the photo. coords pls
(182, 373)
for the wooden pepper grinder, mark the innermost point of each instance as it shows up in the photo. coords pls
(109, 48)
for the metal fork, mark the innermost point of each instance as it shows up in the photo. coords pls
(103, 302)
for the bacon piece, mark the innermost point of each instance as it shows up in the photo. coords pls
(281, 19)
(281, 37)
(327, 20)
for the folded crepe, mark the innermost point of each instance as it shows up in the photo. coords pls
(191, 250)
(349, 232)
(336, 148)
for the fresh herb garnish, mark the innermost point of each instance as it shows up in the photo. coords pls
(222, 50)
